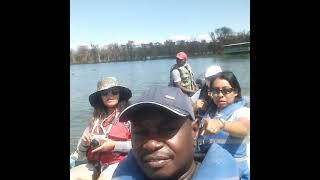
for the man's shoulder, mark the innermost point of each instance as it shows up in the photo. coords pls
(188, 66)
(175, 71)
(174, 66)
(128, 169)
(175, 75)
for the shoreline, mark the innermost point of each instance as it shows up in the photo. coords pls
(168, 57)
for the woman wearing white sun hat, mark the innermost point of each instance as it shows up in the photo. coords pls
(106, 141)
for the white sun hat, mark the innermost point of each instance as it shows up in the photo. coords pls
(212, 70)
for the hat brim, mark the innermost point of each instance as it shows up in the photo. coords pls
(136, 106)
(125, 94)
(179, 58)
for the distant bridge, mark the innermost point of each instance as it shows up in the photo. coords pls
(243, 47)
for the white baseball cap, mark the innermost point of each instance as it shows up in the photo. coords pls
(212, 70)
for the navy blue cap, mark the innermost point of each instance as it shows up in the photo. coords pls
(166, 97)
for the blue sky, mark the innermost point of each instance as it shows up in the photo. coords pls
(116, 21)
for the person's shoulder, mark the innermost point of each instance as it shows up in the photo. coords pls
(174, 66)
(243, 109)
(91, 121)
(175, 71)
(128, 169)
(175, 74)
(188, 65)
(242, 112)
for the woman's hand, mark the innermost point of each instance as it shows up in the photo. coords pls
(106, 146)
(86, 139)
(211, 126)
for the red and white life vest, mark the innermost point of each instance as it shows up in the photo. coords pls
(118, 131)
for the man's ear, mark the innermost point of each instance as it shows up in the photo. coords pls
(195, 128)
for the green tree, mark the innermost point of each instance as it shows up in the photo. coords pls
(223, 33)
(130, 51)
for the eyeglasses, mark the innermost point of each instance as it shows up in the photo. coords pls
(224, 90)
(113, 92)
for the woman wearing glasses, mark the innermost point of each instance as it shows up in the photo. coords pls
(227, 122)
(106, 141)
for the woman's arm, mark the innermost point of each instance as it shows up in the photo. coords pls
(238, 128)
(110, 145)
(122, 146)
(81, 151)
(185, 90)
(238, 125)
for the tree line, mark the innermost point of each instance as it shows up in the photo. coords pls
(132, 52)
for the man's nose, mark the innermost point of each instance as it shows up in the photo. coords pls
(152, 145)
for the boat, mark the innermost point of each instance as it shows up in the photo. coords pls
(237, 48)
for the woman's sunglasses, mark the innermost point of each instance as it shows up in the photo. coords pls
(217, 91)
(113, 92)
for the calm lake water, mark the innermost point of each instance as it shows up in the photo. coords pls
(138, 76)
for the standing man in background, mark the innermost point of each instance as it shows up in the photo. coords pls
(181, 75)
